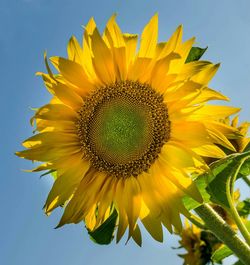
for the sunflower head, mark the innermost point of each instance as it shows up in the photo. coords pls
(126, 127)
(199, 244)
(122, 128)
(241, 142)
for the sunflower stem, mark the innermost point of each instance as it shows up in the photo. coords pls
(233, 210)
(224, 232)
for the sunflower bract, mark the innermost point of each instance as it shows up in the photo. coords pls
(126, 127)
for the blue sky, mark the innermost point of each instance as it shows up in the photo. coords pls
(28, 27)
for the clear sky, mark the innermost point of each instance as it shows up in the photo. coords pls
(27, 28)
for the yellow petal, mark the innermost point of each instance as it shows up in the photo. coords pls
(189, 133)
(149, 38)
(137, 236)
(160, 71)
(47, 66)
(182, 103)
(132, 201)
(209, 94)
(204, 76)
(114, 38)
(221, 139)
(65, 184)
(48, 81)
(213, 112)
(102, 59)
(151, 197)
(153, 226)
(84, 198)
(209, 150)
(88, 53)
(48, 153)
(179, 156)
(183, 50)
(114, 34)
(123, 219)
(73, 73)
(47, 125)
(75, 52)
(90, 219)
(185, 113)
(235, 121)
(179, 89)
(179, 178)
(229, 131)
(172, 43)
(89, 28)
(41, 167)
(128, 202)
(51, 139)
(131, 44)
(63, 92)
(140, 70)
(56, 112)
(106, 198)
(190, 69)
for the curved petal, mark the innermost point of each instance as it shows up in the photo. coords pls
(73, 73)
(102, 59)
(114, 38)
(149, 39)
(65, 184)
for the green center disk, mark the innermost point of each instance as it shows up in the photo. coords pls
(121, 130)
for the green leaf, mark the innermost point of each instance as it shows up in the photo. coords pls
(245, 169)
(221, 254)
(195, 54)
(213, 183)
(104, 234)
(220, 173)
(201, 184)
(243, 207)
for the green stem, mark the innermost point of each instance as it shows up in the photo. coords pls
(233, 210)
(224, 232)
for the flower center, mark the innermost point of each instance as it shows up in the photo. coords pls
(122, 128)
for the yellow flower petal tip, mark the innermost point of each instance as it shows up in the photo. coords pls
(126, 128)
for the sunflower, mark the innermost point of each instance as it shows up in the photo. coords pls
(126, 127)
(199, 244)
(240, 143)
